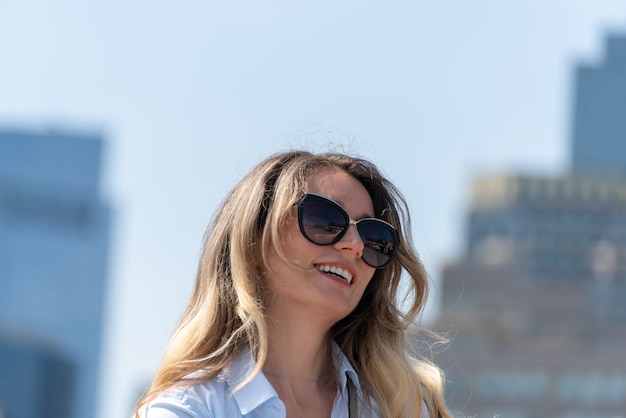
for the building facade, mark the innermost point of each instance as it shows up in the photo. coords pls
(556, 229)
(54, 238)
(36, 380)
(535, 307)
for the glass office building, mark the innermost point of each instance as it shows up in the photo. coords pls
(36, 381)
(599, 123)
(555, 229)
(54, 238)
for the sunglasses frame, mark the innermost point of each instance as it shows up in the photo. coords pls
(349, 221)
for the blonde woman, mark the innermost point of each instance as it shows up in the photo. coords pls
(295, 307)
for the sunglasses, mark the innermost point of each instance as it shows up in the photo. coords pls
(323, 222)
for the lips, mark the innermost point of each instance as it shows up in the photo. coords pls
(337, 271)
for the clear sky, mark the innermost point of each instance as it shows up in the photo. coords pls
(190, 95)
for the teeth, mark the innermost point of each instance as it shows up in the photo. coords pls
(344, 274)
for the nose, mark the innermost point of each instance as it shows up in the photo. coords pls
(351, 241)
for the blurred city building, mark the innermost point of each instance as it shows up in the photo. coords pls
(599, 120)
(54, 236)
(36, 381)
(537, 304)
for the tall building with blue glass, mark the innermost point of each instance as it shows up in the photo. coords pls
(36, 380)
(599, 122)
(54, 241)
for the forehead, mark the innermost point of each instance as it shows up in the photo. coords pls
(344, 189)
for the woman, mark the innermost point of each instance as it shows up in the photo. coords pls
(294, 311)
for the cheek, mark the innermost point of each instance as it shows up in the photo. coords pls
(367, 275)
(370, 285)
(295, 246)
(367, 272)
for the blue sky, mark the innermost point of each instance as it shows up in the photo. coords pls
(190, 95)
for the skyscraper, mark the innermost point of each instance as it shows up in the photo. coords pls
(54, 237)
(536, 304)
(599, 123)
(36, 380)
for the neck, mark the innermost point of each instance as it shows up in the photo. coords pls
(298, 352)
(299, 365)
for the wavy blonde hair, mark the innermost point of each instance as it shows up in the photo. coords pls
(226, 312)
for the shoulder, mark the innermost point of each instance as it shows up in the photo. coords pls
(230, 394)
(208, 399)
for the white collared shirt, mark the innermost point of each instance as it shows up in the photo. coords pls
(257, 399)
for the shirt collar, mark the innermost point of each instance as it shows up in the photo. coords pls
(259, 390)
(345, 371)
(254, 393)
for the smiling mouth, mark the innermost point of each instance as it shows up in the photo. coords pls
(337, 271)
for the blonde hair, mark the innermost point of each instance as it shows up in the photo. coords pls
(226, 312)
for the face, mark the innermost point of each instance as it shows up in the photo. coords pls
(324, 283)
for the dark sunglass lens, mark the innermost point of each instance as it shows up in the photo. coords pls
(379, 242)
(321, 222)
